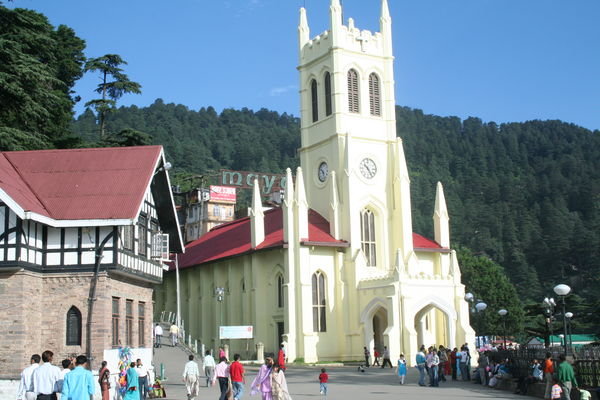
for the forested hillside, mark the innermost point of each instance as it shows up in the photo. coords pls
(525, 194)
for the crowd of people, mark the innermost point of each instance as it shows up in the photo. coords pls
(42, 380)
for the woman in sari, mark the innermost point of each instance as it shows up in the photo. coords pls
(262, 382)
(278, 384)
(132, 384)
(104, 381)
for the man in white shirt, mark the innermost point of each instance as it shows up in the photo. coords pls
(174, 330)
(44, 380)
(142, 379)
(191, 376)
(209, 367)
(158, 332)
(67, 366)
(25, 385)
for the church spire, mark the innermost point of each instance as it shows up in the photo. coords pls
(257, 217)
(335, 16)
(385, 26)
(334, 212)
(301, 206)
(440, 218)
(303, 29)
(288, 208)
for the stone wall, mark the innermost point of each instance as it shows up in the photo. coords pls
(35, 306)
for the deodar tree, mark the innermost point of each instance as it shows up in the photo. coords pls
(113, 85)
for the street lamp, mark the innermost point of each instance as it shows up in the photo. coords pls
(569, 315)
(549, 306)
(502, 312)
(562, 291)
(477, 306)
(219, 294)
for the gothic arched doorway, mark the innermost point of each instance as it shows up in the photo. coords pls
(433, 327)
(380, 324)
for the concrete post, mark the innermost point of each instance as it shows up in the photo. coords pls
(260, 352)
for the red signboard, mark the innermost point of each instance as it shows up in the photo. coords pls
(223, 193)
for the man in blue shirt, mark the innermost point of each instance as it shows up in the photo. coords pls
(79, 383)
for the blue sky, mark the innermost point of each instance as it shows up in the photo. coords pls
(499, 60)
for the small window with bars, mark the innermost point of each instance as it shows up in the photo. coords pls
(115, 321)
(374, 95)
(73, 327)
(353, 95)
(141, 324)
(129, 322)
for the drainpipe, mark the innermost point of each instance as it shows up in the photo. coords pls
(92, 297)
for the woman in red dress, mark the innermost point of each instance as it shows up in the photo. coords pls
(281, 358)
(104, 381)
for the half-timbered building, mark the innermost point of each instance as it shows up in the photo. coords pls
(83, 237)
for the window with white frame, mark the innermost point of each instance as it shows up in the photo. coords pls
(367, 237)
(319, 302)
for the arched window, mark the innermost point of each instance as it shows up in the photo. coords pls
(315, 101)
(353, 91)
(73, 327)
(328, 106)
(319, 302)
(279, 290)
(367, 237)
(374, 95)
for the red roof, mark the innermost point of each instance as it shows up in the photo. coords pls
(233, 239)
(77, 184)
(421, 242)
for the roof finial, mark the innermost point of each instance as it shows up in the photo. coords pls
(303, 29)
(440, 218)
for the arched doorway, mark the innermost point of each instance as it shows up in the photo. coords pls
(433, 327)
(380, 323)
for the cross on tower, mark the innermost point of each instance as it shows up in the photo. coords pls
(363, 40)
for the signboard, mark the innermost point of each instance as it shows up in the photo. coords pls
(236, 332)
(269, 183)
(222, 193)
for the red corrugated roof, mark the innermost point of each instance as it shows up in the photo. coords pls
(233, 239)
(421, 242)
(75, 184)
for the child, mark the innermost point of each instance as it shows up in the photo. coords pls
(584, 394)
(401, 369)
(323, 378)
(556, 390)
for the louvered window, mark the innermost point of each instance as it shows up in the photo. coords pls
(374, 95)
(315, 100)
(367, 236)
(129, 322)
(73, 327)
(115, 322)
(328, 106)
(353, 96)
(319, 302)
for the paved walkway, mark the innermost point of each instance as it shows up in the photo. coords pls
(345, 383)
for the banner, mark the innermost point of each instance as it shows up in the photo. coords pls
(236, 332)
(223, 193)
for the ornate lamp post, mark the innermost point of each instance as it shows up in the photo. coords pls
(569, 315)
(502, 312)
(476, 307)
(549, 305)
(562, 291)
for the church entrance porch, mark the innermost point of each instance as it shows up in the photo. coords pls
(433, 327)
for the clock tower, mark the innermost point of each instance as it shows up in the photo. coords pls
(348, 126)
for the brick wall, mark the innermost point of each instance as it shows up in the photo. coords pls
(34, 308)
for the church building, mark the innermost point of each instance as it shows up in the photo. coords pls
(337, 267)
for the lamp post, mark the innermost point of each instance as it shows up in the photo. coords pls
(549, 305)
(562, 291)
(502, 312)
(220, 294)
(477, 307)
(569, 315)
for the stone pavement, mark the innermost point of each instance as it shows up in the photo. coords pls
(344, 383)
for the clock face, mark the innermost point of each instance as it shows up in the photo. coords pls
(323, 171)
(368, 169)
